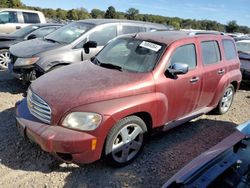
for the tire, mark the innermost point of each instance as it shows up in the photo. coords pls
(4, 59)
(125, 141)
(225, 101)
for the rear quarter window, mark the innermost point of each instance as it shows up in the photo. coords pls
(31, 17)
(229, 49)
(210, 52)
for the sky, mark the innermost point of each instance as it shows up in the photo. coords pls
(221, 11)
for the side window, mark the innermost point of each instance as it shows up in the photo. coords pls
(31, 17)
(103, 35)
(8, 17)
(43, 31)
(229, 49)
(210, 52)
(185, 54)
(127, 29)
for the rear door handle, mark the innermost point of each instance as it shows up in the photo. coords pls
(194, 80)
(18, 27)
(221, 71)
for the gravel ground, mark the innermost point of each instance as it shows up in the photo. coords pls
(23, 164)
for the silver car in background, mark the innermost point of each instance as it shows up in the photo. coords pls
(31, 59)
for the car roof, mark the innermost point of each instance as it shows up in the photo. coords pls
(169, 37)
(23, 10)
(105, 21)
(47, 24)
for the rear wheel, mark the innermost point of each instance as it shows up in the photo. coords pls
(125, 141)
(4, 59)
(226, 100)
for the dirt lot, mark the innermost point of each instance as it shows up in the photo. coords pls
(23, 164)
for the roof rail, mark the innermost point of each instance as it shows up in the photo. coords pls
(205, 33)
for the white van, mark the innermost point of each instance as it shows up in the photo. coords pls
(13, 19)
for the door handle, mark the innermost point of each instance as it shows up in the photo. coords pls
(221, 71)
(194, 80)
(18, 27)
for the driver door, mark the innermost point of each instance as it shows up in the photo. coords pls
(183, 91)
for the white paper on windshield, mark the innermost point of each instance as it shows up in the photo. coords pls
(151, 46)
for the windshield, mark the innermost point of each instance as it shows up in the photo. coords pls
(130, 54)
(243, 46)
(70, 32)
(24, 31)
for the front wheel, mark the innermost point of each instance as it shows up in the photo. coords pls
(226, 100)
(4, 59)
(125, 141)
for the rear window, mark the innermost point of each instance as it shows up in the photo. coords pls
(229, 49)
(31, 17)
(210, 52)
(186, 55)
(127, 29)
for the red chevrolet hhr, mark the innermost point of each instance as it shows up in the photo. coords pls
(105, 106)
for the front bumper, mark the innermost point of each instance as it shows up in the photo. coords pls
(66, 144)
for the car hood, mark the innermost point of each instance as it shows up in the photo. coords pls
(32, 47)
(83, 83)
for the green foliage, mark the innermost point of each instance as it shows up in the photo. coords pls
(110, 13)
(97, 13)
(11, 4)
(232, 27)
(131, 14)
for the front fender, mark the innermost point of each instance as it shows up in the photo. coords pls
(114, 110)
(154, 104)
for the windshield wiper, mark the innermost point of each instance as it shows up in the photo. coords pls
(106, 65)
(52, 40)
(110, 66)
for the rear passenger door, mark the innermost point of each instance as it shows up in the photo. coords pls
(213, 70)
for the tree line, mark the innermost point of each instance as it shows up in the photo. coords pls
(131, 14)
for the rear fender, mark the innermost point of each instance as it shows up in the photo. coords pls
(232, 76)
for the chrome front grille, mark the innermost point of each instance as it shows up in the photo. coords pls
(38, 107)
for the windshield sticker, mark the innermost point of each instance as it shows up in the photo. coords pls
(151, 46)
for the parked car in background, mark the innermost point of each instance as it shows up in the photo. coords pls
(13, 19)
(105, 106)
(244, 55)
(241, 38)
(224, 165)
(29, 32)
(65, 46)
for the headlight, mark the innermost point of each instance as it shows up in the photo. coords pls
(84, 121)
(25, 61)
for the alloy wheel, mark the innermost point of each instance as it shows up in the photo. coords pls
(127, 143)
(4, 59)
(227, 99)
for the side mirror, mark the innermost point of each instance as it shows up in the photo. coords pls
(32, 36)
(178, 68)
(88, 45)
